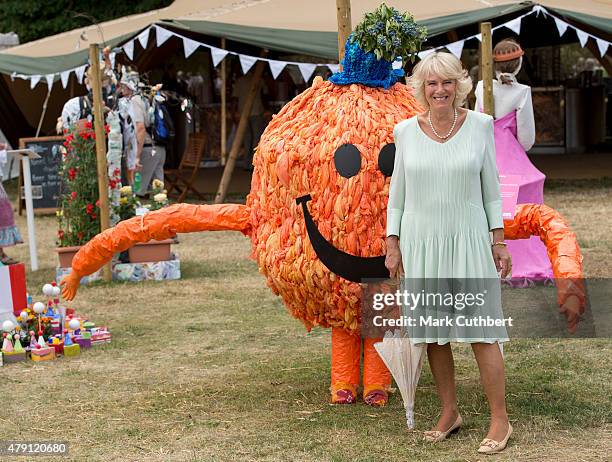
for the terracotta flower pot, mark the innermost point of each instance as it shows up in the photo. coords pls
(151, 251)
(66, 254)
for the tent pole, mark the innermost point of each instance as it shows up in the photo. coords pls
(343, 11)
(96, 87)
(44, 111)
(242, 128)
(486, 54)
(223, 109)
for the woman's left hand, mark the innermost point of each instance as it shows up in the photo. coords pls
(503, 260)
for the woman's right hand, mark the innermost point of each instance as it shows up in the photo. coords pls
(393, 259)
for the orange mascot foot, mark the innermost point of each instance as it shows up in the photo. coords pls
(343, 393)
(375, 395)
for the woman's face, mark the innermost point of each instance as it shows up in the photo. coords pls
(439, 92)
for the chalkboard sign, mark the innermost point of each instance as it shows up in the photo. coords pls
(45, 171)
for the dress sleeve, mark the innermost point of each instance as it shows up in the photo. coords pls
(397, 190)
(525, 125)
(489, 181)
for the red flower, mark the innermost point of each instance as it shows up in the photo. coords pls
(116, 172)
(94, 216)
(98, 203)
(60, 233)
(106, 129)
(88, 124)
(89, 209)
(72, 173)
(73, 195)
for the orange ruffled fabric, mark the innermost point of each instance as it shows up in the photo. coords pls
(158, 225)
(561, 244)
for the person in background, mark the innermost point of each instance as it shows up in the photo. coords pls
(9, 234)
(256, 121)
(150, 157)
(127, 86)
(81, 107)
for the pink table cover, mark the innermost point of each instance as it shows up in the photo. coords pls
(530, 261)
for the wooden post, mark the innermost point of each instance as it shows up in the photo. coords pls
(96, 87)
(486, 57)
(223, 109)
(343, 10)
(241, 130)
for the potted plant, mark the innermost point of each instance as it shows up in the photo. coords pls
(128, 205)
(78, 214)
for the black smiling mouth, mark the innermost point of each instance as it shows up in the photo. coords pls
(347, 266)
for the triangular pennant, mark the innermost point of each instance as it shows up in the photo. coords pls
(561, 26)
(34, 79)
(538, 9)
(582, 37)
(49, 78)
(478, 37)
(456, 48)
(217, 55)
(80, 72)
(514, 25)
(189, 46)
(334, 67)
(129, 50)
(276, 67)
(603, 46)
(306, 69)
(246, 62)
(423, 54)
(64, 76)
(397, 64)
(143, 38)
(162, 35)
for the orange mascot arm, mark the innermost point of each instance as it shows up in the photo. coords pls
(161, 224)
(561, 245)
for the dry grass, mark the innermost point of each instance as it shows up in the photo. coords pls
(212, 368)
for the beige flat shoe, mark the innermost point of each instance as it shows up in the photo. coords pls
(489, 446)
(435, 436)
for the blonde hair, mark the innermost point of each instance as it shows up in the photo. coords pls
(445, 66)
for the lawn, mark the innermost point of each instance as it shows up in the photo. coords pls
(212, 367)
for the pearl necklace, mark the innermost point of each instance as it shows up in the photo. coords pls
(434, 130)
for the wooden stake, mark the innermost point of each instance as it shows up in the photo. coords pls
(242, 128)
(343, 10)
(223, 109)
(96, 87)
(486, 54)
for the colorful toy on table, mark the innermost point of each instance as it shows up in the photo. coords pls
(58, 344)
(81, 336)
(42, 351)
(100, 335)
(38, 308)
(70, 348)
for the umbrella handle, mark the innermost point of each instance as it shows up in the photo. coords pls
(410, 417)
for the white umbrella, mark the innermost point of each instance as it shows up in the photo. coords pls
(405, 360)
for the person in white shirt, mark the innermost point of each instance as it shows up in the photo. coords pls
(508, 94)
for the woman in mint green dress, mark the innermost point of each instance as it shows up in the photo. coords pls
(444, 200)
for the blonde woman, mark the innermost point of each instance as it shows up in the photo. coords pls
(444, 199)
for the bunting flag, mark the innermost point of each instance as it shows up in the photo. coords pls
(129, 50)
(603, 47)
(64, 76)
(189, 46)
(276, 67)
(49, 78)
(246, 62)
(306, 69)
(162, 35)
(515, 25)
(80, 72)
(217, 55)
(143, 38)
(34, 81)
(582, 37)
(456, 48)
(561, 26)
(333, 67)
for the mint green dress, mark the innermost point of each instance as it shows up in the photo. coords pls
(443, 200)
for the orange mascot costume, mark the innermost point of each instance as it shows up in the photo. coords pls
(316, 213)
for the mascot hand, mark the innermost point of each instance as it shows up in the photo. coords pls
(69, 284)
(571, 310)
